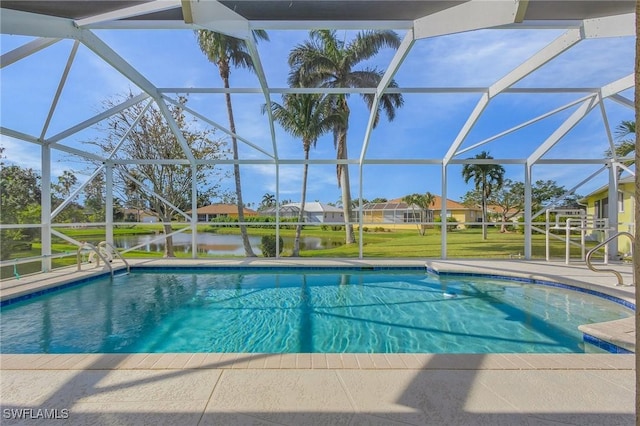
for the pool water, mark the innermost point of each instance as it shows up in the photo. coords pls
(302, 311)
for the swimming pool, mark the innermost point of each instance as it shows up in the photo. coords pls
(300, 311)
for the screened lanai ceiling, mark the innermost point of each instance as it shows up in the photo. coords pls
(569, 31)
(287, 11)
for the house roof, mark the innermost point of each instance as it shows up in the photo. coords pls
(220, 208)
(315, 207)
(624, 180)
(141, 212)
(497, 209)
(436, 205)
(389, 205)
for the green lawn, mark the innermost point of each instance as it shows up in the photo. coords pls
(466, 243)
(460, 244)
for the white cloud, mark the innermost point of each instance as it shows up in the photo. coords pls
(28, 155)
(470, 59)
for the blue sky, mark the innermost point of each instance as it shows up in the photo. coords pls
(423, 129)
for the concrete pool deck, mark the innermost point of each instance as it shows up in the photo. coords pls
(331, 389)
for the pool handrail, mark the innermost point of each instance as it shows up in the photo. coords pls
(606, 241)
(100, 256)
(31, 259)
(106, 244)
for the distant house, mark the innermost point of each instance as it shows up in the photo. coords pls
(598, 208)
(140, 215)
(214, 211)
(396, 212)
(458, 211)
(496, 213)
(314, 212)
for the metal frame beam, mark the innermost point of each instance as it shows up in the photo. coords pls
(26, 50)
(63, 80)
(467, 16)
(257, 66)
(214, 16)
(563, 129)
(130, 12)
(220, 127)
(97, 118)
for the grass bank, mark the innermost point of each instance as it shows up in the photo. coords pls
(466, 243)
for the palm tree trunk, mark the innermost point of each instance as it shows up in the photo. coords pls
(236, 170)
(343, 174)
(503, 226)
(296, 242)
(484, 210)
(413, 217)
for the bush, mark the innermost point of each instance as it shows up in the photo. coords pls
(476, 225)
(452, 223)
(226, 221)
(268, 245)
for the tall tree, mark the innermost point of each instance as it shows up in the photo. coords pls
(20, 199)
(423, 202)
(60, 191)
(225, 51)
(547, 193)
(94, 199)
(306, 116)
(486, 179)
(65, 184)
(153, 139)
(20, 203)
(327, 61)
(268, 200)
(509, 201)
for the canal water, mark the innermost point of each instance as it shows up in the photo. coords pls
(217, 244)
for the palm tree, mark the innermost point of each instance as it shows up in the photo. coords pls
(423, 201)
(268, 200)
(225, 51)
(486, 178)
(625, 146)
(326, 61)
(308, 117)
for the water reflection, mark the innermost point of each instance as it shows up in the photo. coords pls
(216, 244)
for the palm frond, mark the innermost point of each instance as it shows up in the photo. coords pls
(223, 48)
(367, 44)
(625, 128)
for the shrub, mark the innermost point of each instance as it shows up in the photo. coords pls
(268, 245)
(452, 223)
